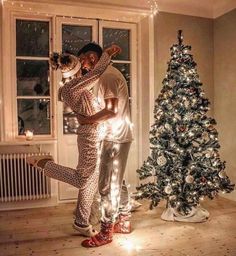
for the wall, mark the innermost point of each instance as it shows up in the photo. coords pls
(198, 32)
(1, 118)
(225, 89)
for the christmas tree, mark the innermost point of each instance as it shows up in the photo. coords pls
(184, 160)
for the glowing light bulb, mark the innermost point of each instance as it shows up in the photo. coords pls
(115, 162)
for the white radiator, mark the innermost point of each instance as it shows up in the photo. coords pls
(19, 181)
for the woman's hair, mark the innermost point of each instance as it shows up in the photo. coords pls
(60, 60)
(68, 63)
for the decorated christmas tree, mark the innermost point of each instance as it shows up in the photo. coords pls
(184, 161)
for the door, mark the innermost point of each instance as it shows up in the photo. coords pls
(72, 34)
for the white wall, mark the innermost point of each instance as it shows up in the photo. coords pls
(225, 90)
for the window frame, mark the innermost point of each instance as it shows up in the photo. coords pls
(28, 17)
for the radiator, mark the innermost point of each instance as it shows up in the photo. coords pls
(19, 181)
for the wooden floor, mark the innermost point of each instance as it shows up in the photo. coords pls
(48, 231)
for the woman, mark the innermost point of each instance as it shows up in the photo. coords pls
(77, 94)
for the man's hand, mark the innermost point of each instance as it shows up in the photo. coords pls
(113, 50)
(108, 112)
(84, 119)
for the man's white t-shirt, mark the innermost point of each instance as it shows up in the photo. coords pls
(112, 84)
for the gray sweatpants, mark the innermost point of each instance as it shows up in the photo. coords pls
(112, 168)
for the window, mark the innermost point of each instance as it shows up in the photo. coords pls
(120, 34)
(74, 37)
(33, 76)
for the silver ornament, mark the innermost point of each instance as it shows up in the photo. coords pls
(168, 189)
(222, 174)
(187, 116)
(172, 83)
(161, 160)
(167, 126)
(189, 179)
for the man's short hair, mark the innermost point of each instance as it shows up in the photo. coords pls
(91, 47)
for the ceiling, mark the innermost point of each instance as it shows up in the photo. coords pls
(201, 8)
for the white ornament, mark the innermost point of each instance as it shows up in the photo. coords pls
(189, 179)
(172, 197)
(222, 174)
(172, 83)
(188, 116)
(168, 189)
(167, 126)
(161, 160)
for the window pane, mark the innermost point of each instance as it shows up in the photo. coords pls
(70, 122)
(75, 37)
(32, 77)
(125, 70)
(32, 38)
(120, 37)
(34, 114)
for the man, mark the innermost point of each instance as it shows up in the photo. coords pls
(113, 94)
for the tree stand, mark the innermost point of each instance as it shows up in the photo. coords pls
(197, 214)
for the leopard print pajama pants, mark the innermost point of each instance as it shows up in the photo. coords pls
(85, 176)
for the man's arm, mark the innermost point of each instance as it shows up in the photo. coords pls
(110, 111)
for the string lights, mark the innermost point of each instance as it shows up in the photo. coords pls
(153, 7)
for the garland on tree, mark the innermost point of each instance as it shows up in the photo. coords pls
(184, 159)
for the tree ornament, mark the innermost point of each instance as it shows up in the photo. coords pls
(189, 179)
(168, 189)
(167, 126)
(211, 127)
(161, 160)
(172, 83)
(187, 116)
(182, 128)
(170, 93)
(222, 174)
(172, 198)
